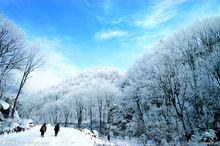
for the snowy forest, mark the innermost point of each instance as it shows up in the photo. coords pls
(170, 95)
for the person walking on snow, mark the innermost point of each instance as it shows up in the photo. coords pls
(56, 129)
(43, 129)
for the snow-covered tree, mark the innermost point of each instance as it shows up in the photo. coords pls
(176, 87)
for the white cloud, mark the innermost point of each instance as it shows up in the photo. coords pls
(160, 12)
(108, 34)
(155, 19)
(56, 68)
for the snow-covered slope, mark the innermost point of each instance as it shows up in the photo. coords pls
(66, 137)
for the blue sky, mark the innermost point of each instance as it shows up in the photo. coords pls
(79, 34)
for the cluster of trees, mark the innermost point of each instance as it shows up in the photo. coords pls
(170, 94)
(87, 100)
(18, 59)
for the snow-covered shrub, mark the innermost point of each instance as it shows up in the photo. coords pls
(4, 105)
(208, 136)
(15, 125)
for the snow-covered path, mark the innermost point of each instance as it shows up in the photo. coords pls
(66, 137)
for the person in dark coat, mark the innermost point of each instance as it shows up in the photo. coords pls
(43, 129)
(56, 129)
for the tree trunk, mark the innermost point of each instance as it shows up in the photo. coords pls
(142, 127)
(108, 121)
(90, 114)
(15, 102)
(100, 115)
(66, 118)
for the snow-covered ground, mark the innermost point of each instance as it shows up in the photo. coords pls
(66, 137)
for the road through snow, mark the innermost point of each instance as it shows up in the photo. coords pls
(66, 137)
